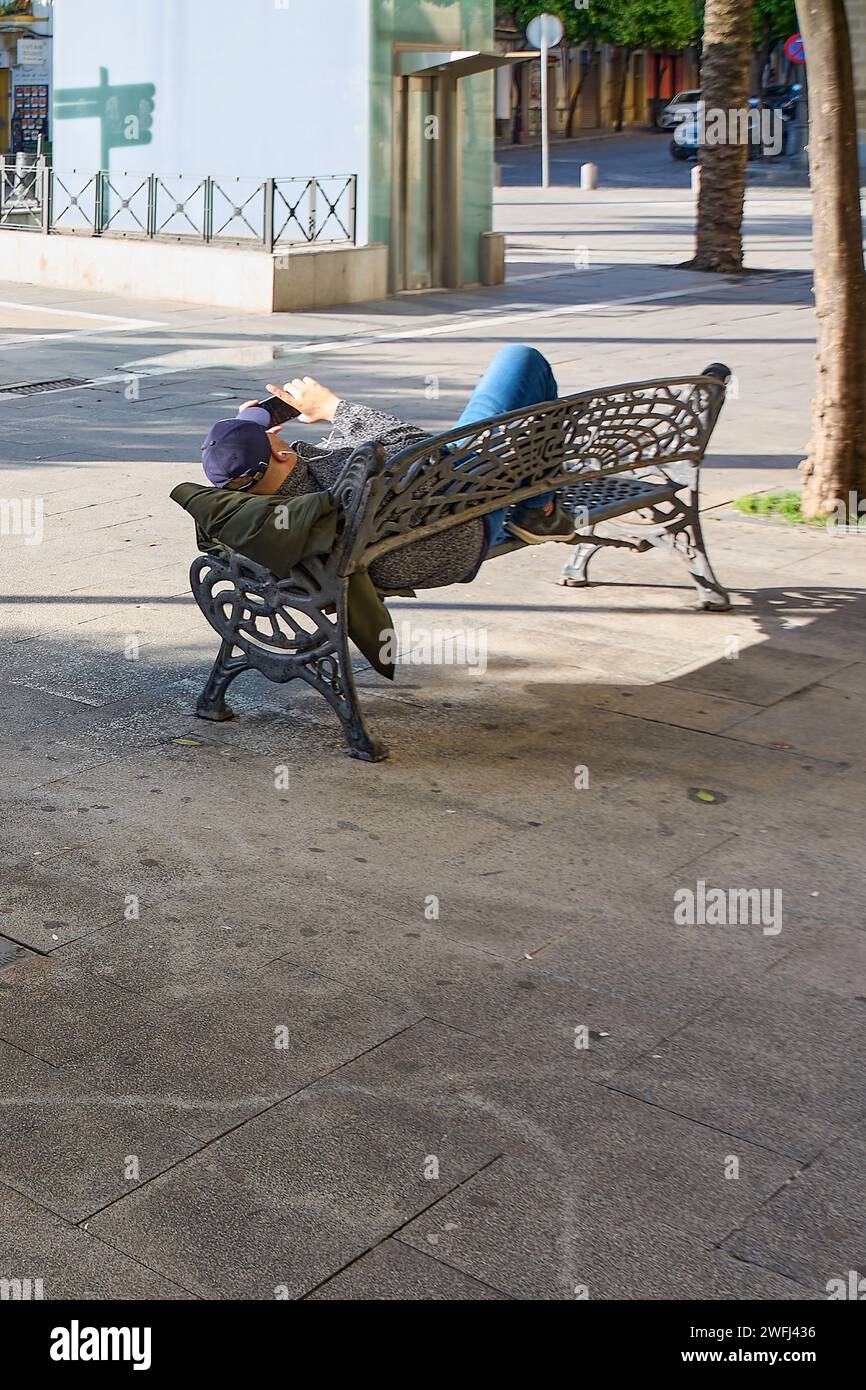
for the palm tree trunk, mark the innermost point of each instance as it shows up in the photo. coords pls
(725, 84)
(835, 467)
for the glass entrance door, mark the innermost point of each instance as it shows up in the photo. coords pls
(420, 143)
(416, 155)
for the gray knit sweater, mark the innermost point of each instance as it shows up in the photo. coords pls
(424, 564)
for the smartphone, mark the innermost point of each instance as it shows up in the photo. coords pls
(279, 411)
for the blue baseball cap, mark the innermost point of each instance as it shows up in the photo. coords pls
(237, 448)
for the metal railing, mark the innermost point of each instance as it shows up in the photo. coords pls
(270, 213)
(22, 194)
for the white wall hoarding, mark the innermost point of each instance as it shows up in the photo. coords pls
(266, 88)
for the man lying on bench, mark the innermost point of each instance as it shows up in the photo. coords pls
(249, 454)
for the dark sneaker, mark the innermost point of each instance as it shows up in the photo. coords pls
(534, 525)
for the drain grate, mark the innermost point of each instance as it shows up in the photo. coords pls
(31, 388)
(11, 953)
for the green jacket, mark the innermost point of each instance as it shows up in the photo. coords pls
(245, 522)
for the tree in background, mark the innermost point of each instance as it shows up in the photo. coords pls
(665, 26)
(579, 28)
(725, 85)
(772, 22)
(668, 26)
(835, 467)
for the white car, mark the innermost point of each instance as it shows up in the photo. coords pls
(682, 107)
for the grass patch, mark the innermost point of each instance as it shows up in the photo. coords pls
(785, 506)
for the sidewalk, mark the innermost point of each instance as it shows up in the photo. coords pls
(244, 986)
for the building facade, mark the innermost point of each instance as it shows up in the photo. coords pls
(382, 89)
(25, 76)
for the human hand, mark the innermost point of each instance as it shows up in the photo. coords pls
(315, 401)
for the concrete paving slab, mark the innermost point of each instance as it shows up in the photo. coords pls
(813, 1229)
(413, 966)
(669, 703)
(68, 1262)
(808, 722)
(396, 1272)
(845, 789)
(815, 889)
(849, 678)
(231, 1054)
(834, 959)
(762, 674)
(622, 1157)
(183, 955)
(635, 950)
(372, 1159)
(42, 907)
(226, 1238)
(655, 762)
(526, 1231)
(781, 1068)
(71, 1148)
(62, 1014)
(221, 1239)
(93, 677)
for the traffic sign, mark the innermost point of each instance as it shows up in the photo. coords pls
(795, 49)
(545, 30)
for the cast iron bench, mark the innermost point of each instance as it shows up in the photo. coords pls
(631, 453)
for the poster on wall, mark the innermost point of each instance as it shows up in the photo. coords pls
(31, 51)
(31, 102)
(31, 97)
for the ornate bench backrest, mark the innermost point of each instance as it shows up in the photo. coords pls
(474, 469)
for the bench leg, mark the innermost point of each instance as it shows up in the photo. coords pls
(361, 743)
(685, 539)
(211, 702)
(574, 571)
(332, 675)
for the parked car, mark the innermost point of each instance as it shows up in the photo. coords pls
(782, 96)
(682, 107)
(685, 144)
(686, 141)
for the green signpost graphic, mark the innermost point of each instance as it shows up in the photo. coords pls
(125, 112)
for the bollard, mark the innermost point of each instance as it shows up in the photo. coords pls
(696, 179)
(588, 176)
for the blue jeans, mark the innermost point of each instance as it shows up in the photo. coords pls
(518, 376)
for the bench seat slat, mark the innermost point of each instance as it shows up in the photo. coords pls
(600, 503)
(602, 498)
